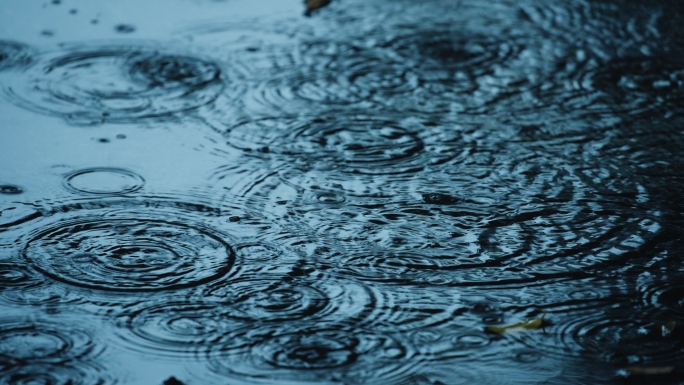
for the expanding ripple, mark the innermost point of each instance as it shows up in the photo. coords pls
(192, 328)
(413, 310)
(40, 341)
(270, 301)
(608, 90)
(134, 245)
(23, 286)
(80, 373)
(643, 84)
(16, 214)
(610, 60)
(331, 74)
(616, 336)
(13, 55)
(670, 298)
(13, 275)
(552, 220)
(117, 85)
(15, 280)
(131, 254)
(465, 68)
(353, 144)
(103, 180)
(33, 351)
(287, 300)
(661, 289)
(310, 353)
(174, 329)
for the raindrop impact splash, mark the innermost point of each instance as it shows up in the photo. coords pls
(352, 144)
(33, 352)
(312, 355)
(13, 55)
(9, 189)
(130, 245)
(129, 254)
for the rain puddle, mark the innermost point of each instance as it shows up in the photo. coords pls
(387, 192)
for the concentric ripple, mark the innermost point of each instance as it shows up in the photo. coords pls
(137, 245)
(272, 301)
(668, 296)
(29, 341)
(191, 328)
(129, 254)
(334, 74)
(40, 352)
(642, 84)
(620, 66)
(79, 373)
(174, 329)
(117, 85)
(303, 353)
(424, 70)
(13, 276)
(617, 338)
(292, 299)
(448, 50)
(458, 70)
(552, 220)
(13, 54)
(355, 144)
(103, 180)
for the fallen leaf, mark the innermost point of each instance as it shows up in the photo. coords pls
(312, 5)
(668, 328)
(526, 325)
(659, 330)
(638, 370)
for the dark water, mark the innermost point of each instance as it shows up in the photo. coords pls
(228, 192)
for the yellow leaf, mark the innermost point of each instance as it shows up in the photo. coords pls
(526, 325)
(661, 330)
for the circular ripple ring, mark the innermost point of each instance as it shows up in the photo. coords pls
(135, 255)
(103, 180)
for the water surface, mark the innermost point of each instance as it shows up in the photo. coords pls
(228, 192)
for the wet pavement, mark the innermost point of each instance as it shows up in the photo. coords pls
(229, 192)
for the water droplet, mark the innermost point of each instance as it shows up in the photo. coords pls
(10, 189)
(124, 28)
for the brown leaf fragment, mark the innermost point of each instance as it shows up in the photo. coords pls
(312, 5)
(652, 371)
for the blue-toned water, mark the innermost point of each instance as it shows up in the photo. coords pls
(229, 192)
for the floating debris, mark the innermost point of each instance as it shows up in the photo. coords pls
(526, 325)
(312, 5)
